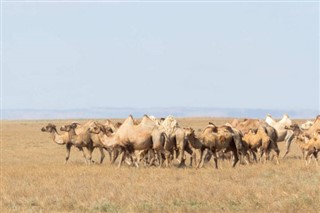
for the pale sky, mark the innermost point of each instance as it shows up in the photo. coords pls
(160, 54)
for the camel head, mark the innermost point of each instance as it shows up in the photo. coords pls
(303, 138)
(49, 128)
(94, 129)
(188, 131)
(100, 128)
(295, 128)
(68, 128)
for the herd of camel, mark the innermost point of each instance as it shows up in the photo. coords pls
(163, 142)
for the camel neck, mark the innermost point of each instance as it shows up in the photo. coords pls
(195, 142)
(72, 132)
(56, 137)
(54, 134)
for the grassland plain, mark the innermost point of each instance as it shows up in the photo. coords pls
(35, 179)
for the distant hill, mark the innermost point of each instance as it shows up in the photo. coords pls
(30, 114)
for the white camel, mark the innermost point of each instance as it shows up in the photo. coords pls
(283, 133)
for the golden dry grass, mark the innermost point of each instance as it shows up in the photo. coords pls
(35, 179)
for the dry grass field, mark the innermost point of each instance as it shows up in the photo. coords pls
(35, 179)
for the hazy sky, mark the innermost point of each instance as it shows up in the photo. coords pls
(79, 55)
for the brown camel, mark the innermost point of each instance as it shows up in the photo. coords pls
(260, 140)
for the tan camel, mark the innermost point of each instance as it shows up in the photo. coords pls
(61, 139)
(83, 139)
(310, 146)
(216, 139)
(260, 140)
(195, 144)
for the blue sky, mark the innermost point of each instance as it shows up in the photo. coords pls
(187, 54)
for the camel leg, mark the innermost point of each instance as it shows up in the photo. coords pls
(254, 155)
(266, 156)
(110, 154)
(181, 157)
(204, 154)
(260, 155)
(102, 154)
(307, 156)
(122, 157)
(167, 156)
(277, 155)
(302, 150)
(115, 153)
(151, 157)
(83, 154)
(200, 157)
(245, 157)
(68, 146)
(90, 150)
(215, 158)
(191, 153)
(208, 157)
(235, 157)
(316, 157)
(159, 153)
(275, 148)
(288, 140)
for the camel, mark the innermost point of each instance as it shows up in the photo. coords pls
(130, 137)
(83, 130)
(194, 144)
(216, 139)
(260, 140)
(83, 139)
(283, 133)
(310, 146)
(175, 139)
(61, 139)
